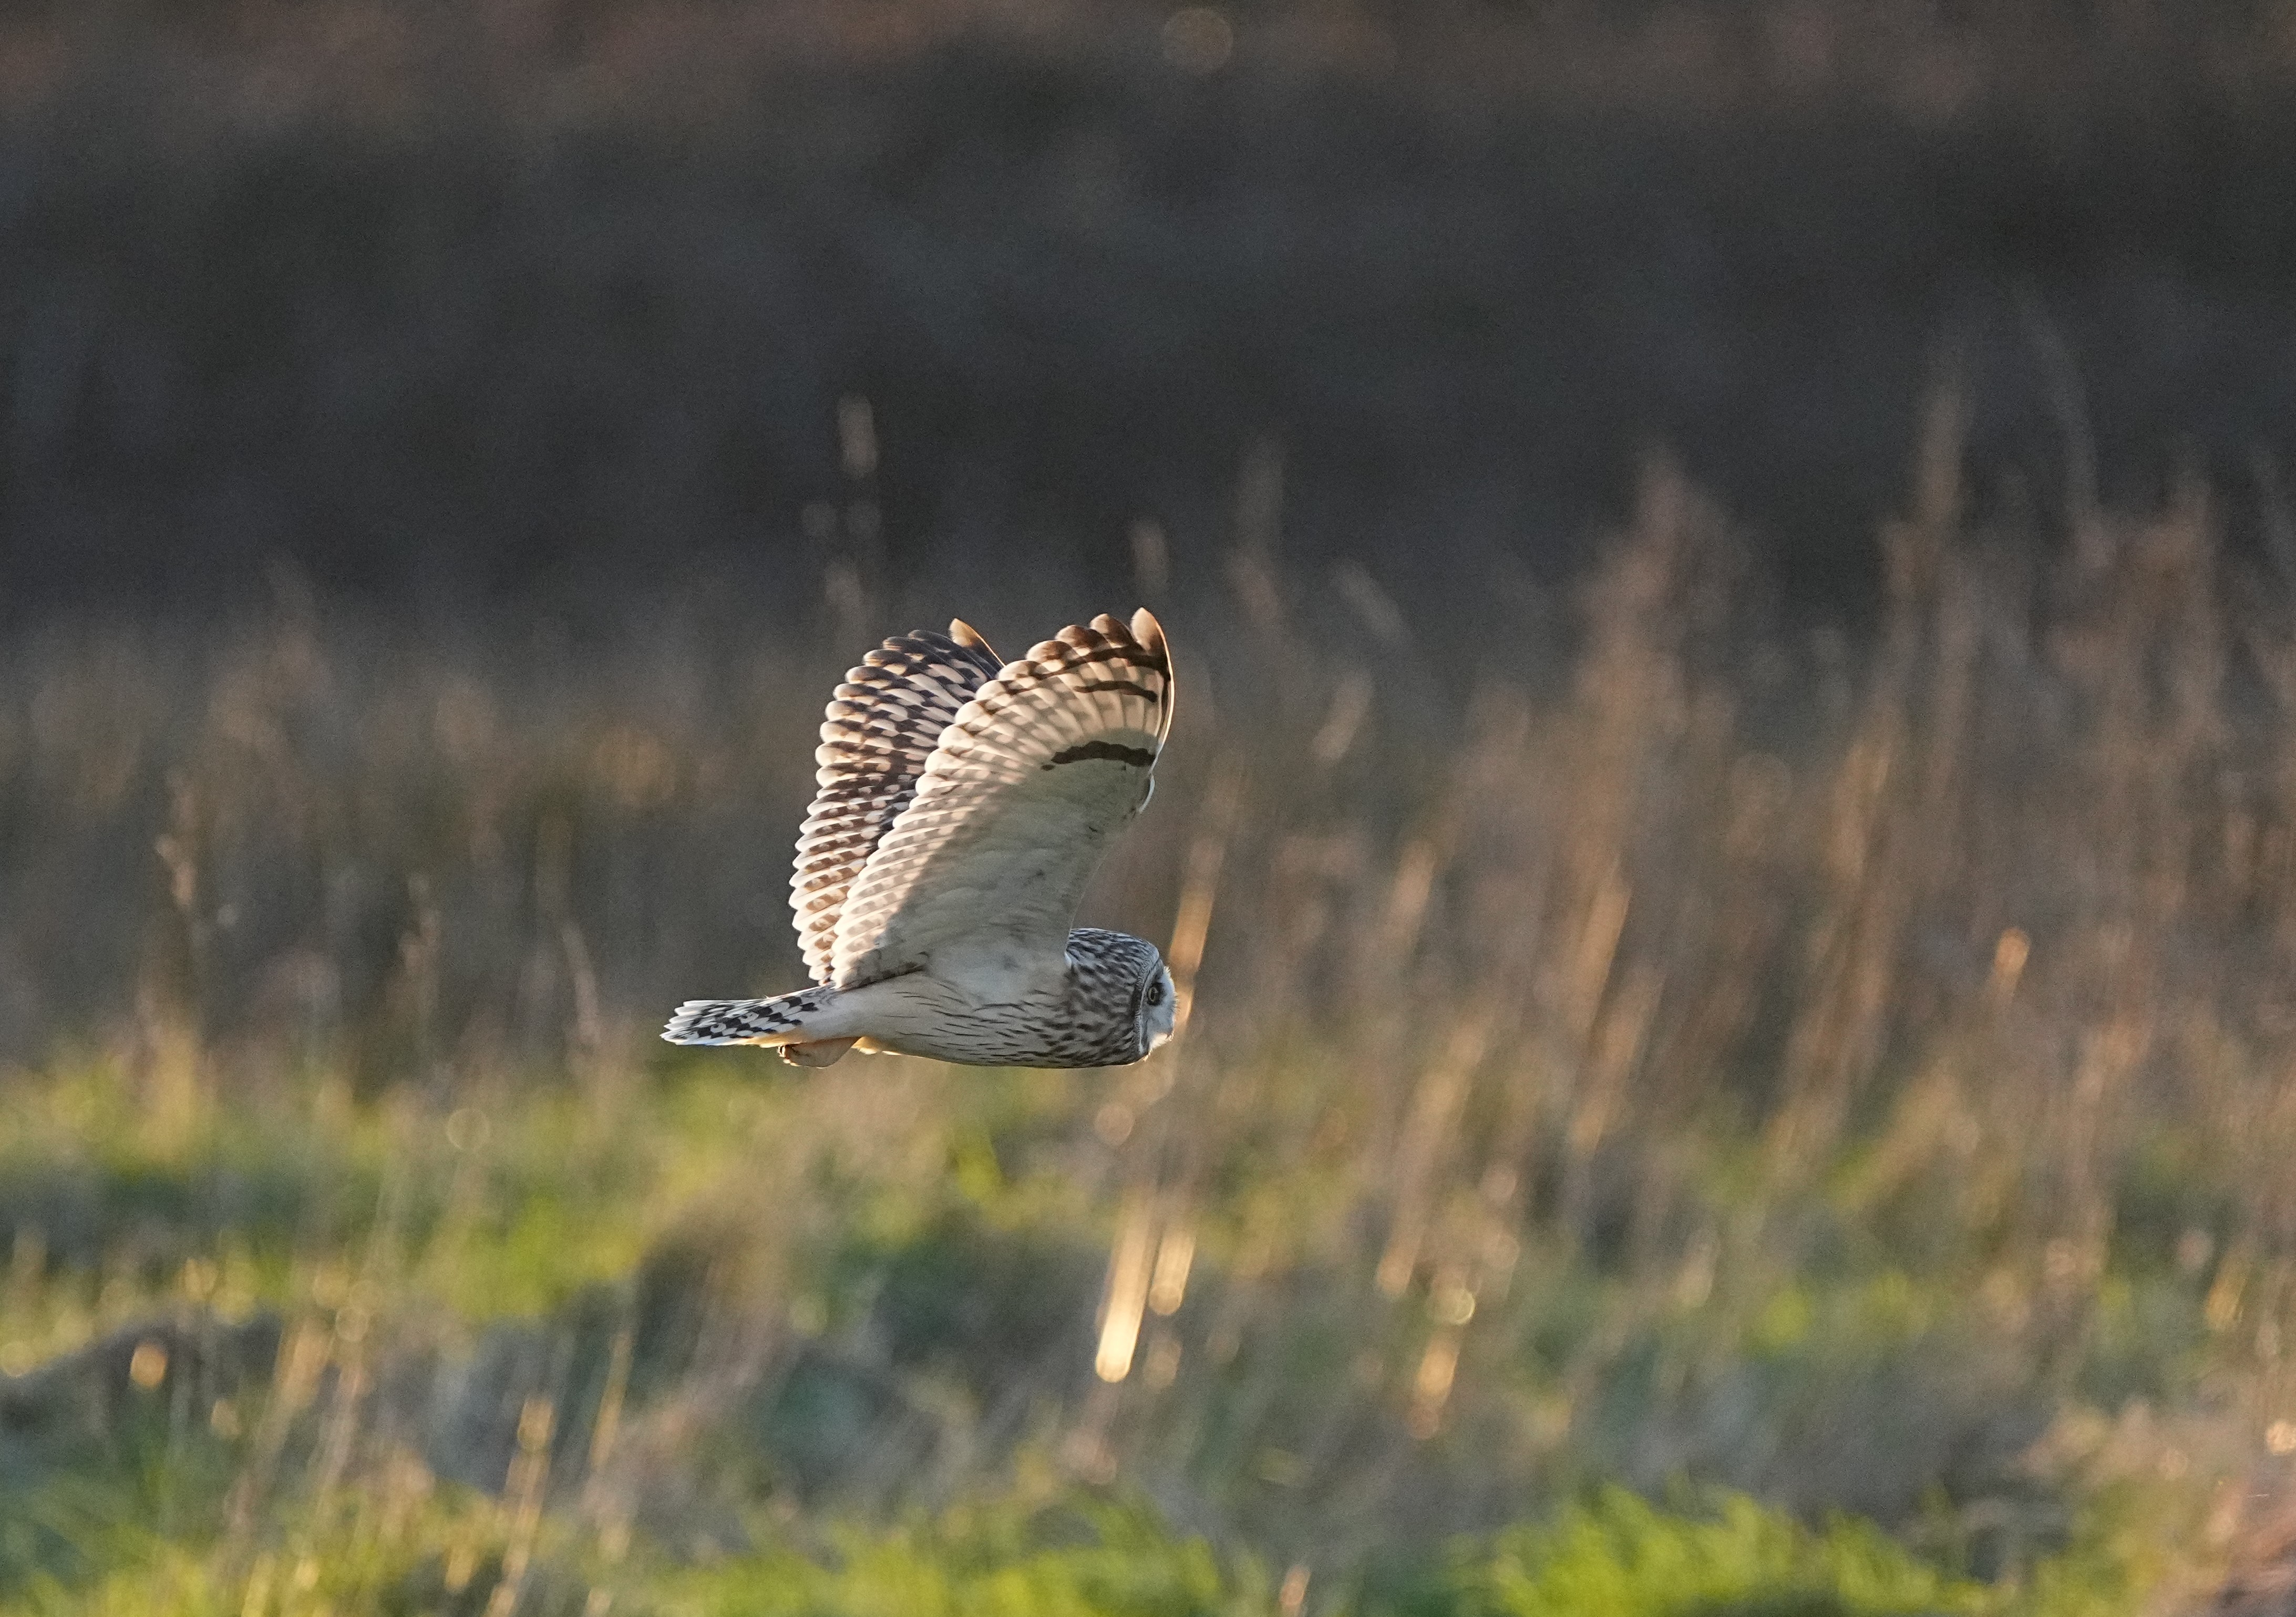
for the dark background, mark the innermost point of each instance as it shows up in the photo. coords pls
(509, 303)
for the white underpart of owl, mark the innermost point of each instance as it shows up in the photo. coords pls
(961, 806)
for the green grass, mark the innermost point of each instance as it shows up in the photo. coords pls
(1076, 1556)
(920, 1314)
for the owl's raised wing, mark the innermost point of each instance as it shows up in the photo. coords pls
(1030, 782)
(882, 724)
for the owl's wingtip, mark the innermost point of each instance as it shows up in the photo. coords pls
(965, 635)
(1150, 633)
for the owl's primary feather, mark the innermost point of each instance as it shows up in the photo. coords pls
(963, 807)
(882, 724)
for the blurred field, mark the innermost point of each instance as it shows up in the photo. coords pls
(1732, 825)
(1632, 1048)
(553, 297)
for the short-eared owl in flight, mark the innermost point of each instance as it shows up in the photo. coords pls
(962, 807)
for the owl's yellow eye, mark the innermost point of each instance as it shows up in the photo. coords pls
(1156, 992)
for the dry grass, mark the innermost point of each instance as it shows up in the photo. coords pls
(1858, 1076)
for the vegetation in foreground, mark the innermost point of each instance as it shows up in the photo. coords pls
(492, 1365)
(1839, 1096)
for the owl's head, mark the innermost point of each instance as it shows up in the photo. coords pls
(1155, 1004)
(1124, 991)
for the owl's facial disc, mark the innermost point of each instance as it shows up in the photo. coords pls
(1158, 1007)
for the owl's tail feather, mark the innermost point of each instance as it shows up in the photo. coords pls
(786, 1020)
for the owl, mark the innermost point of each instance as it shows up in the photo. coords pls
(961, 805)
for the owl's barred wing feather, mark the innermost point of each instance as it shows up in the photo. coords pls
(882, 724)
(1027, 787)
